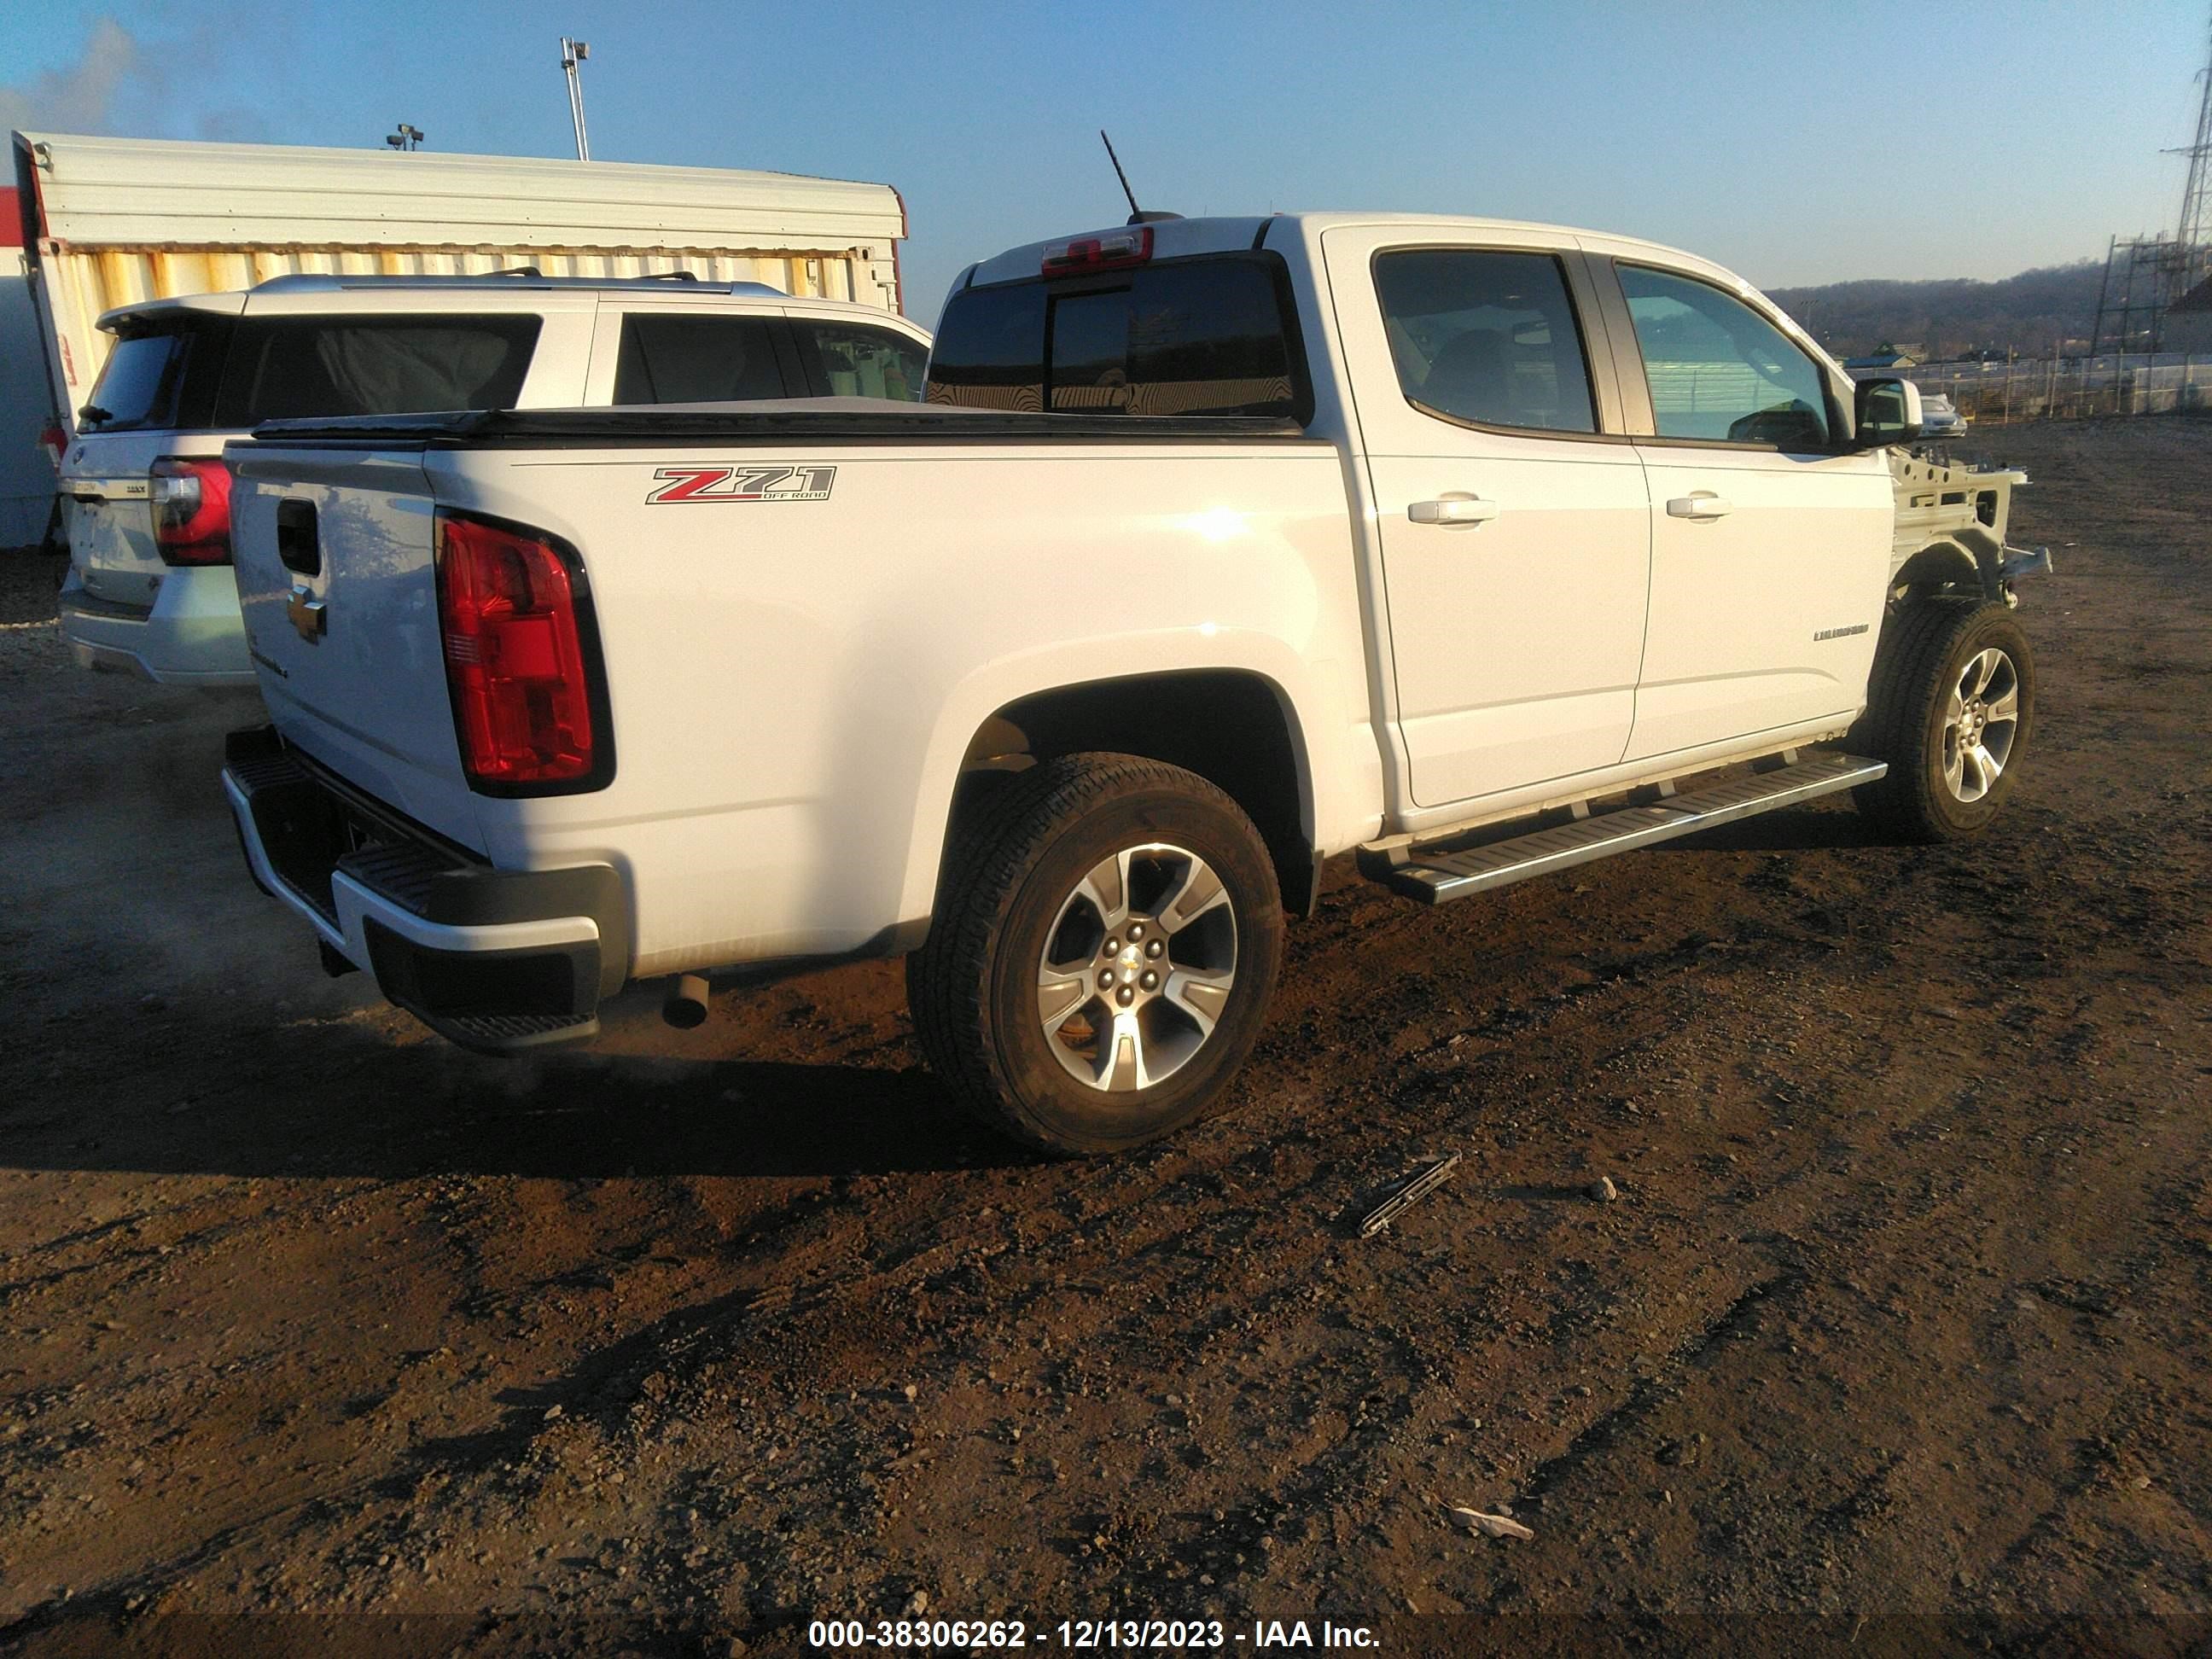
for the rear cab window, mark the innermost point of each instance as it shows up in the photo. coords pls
(1214, 334)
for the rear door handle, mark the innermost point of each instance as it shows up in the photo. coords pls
(1453, 509)
(1702, 504)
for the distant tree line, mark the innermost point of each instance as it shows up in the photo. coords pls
(2032, 313)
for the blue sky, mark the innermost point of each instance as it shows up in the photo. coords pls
(1794, 142)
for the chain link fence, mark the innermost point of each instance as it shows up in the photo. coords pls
(2071, 388)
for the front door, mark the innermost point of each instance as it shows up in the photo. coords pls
(1514, 521)
(1769, 552)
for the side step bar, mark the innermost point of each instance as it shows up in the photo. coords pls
(1436, 876)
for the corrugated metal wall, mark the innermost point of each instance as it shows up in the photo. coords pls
(26, 478)
(120, 221)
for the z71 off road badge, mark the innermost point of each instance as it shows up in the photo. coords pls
(742, 483)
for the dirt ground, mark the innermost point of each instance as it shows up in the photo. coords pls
(1901, 1309)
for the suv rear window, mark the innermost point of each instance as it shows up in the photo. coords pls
(283, 368)
(1208, 336)
(159, 377)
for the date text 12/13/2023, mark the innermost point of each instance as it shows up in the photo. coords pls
(1085, 1634)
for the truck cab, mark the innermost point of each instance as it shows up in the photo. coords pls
(1617, 507)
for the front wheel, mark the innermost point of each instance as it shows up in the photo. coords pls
(1107, 938)
(1951, 708)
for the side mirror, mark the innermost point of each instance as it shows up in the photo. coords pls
(1887, 412)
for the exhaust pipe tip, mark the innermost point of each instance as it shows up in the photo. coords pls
(686, 1007)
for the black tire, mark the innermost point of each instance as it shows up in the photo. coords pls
(1926, 651)
(1011, 892)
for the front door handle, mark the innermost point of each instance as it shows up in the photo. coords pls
(1703, 504)
(1453, 509)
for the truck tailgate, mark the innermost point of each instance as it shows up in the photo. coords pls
(336, 576)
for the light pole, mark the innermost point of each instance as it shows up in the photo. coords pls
(574, 52)
(405, 138)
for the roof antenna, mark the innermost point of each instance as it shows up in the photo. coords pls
(1137, 215)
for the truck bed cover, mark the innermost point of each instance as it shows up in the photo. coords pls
(818, 420)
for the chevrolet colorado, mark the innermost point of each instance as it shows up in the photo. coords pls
(1219, 547)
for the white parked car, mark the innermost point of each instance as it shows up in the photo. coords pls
(1224, 546)
(1939, 417)
(151, 588)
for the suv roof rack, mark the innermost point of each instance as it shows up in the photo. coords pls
(519, 277)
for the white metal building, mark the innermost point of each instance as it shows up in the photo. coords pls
(104, 221)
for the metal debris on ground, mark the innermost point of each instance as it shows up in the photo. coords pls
(1411, 1193)
(1490, 1526)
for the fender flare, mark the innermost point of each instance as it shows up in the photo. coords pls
(1968, 555)
(983, 694)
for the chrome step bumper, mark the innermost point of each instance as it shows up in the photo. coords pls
(1436, 876)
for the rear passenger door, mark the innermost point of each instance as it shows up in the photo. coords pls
(1770, 550)
(1515, 527)
(689, 355)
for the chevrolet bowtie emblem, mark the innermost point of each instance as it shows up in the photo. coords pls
(310, 620)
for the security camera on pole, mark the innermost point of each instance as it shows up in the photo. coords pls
(574, 52)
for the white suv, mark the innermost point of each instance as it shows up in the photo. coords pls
(150, 590)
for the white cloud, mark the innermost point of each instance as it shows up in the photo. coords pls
(80, 97)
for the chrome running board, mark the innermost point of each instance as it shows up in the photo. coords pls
(1436, 876)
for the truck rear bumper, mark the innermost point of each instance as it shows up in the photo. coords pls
(496, 960)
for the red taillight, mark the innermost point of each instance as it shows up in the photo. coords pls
(54, 442)
(191, 510)
(515, 658)
(1123, 248)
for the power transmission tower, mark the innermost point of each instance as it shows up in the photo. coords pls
(2193, 231)
(2145, 276)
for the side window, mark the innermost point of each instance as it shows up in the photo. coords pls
(140, 384)
(668, 358)
(283, 368)
(1486, 337)
(989, 352)
(1718, 370)
(864, 362)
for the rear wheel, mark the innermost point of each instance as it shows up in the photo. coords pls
(1950, 709)
(1107, 938)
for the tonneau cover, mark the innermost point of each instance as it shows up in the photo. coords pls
(821, 420)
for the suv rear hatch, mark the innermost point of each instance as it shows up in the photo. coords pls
(160, 377)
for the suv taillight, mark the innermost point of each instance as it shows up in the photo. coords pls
(521, 660)
(191, 510)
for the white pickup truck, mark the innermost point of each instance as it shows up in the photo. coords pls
(1225, 545)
